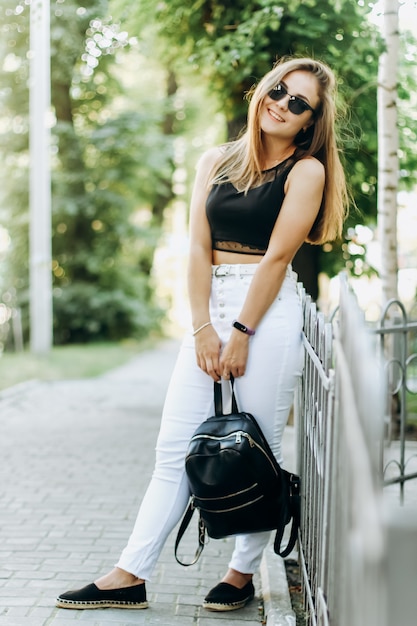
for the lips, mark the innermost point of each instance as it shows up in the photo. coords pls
(275, 116)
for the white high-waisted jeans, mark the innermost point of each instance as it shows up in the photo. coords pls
(266, 391)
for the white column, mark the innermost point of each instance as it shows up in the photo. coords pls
(40, 180)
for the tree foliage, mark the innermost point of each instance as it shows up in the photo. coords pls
(407, 110)
(111, 162)
(233, 44)
(121, 101)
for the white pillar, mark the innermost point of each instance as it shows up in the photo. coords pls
(40, 180)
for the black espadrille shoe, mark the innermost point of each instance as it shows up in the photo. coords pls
(225, 597)
(91, 597)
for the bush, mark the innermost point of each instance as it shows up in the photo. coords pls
(84, 312)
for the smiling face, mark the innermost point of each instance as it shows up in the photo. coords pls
(277, 120)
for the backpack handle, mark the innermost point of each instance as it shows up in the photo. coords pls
(218, 398)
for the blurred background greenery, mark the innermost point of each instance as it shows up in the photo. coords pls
(69, 362)
(139, 90)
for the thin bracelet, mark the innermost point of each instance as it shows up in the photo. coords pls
(201, 327)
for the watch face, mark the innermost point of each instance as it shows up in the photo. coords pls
(243, 328)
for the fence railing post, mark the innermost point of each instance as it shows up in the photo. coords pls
(339, 414)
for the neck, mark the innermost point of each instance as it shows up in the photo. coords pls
(275, 151)
(270, 159)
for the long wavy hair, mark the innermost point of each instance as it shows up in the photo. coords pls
(240, 162)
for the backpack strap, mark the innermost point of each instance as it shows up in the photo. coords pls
(201, 534)
(294, 486)
(218, 398)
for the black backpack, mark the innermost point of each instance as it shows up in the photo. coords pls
(235, 481)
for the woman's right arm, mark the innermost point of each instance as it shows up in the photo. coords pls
(207, 342)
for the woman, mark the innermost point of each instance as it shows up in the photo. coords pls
(255, 201)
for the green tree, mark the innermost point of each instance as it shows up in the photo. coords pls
(102, 261)
(14, 174)
(232, 44)
(111, 162)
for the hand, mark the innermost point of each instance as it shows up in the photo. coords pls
(234, 356)
(207, 349)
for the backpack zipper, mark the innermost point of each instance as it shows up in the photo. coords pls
(229, 495)
(234, 508)
(238, 439)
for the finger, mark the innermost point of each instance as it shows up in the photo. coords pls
(214, 375)
(237, 372)
(212, 371)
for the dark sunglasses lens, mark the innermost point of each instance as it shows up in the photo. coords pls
(277, 93)
(297, 106)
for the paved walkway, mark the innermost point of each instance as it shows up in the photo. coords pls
(76, 457)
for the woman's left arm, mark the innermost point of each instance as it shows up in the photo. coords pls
(303, 197)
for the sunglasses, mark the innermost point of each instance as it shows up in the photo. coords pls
(295, 104)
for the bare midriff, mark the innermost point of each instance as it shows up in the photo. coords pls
(232, 258)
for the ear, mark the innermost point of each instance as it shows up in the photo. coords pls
(307, 126)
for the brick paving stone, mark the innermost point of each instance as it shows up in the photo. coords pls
(10, 616)
(76, 458)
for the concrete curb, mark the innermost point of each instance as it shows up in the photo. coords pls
(275, 593)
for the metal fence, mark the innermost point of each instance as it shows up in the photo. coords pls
(398, 349)
(349, 544)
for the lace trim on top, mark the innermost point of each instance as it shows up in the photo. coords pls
(269, 175)
(235, 246)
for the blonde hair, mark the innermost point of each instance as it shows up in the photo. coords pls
(241, 165)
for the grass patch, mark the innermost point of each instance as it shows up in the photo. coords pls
(68, 362)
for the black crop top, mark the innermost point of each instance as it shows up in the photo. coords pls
(244, 223)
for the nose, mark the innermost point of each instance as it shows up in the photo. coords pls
(283, 102)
